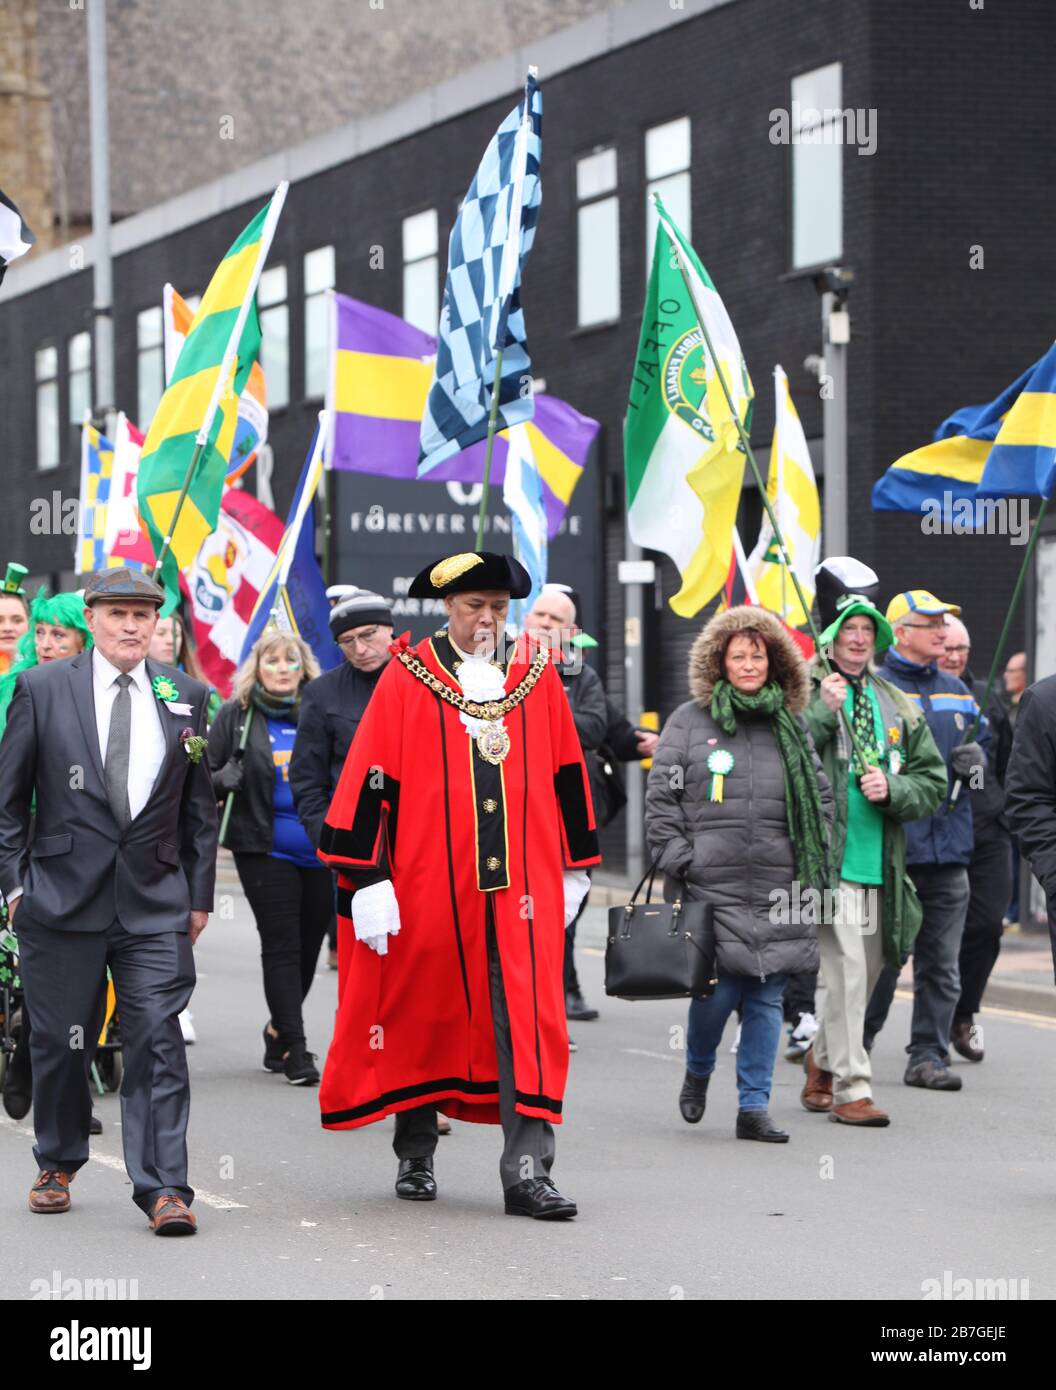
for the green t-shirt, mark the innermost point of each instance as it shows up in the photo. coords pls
(863, 852)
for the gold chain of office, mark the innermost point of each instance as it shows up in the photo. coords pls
(494, 709)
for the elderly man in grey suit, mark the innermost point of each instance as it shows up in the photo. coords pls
(103, 752)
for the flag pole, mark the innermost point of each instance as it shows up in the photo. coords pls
(222, 382)
(231, 795)
(492, 421)
(1002, 641)
(511, 259)
(747, 447)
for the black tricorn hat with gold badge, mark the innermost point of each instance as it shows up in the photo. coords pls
(472, 572)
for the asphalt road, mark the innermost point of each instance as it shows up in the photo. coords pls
(964, 1183)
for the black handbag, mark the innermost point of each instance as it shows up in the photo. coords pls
(660, 950)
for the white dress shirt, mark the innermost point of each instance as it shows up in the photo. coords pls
(147, 745)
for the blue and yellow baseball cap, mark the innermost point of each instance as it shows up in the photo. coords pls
(918, 601)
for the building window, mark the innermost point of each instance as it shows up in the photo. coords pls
(817, 167)
(79, 363)
(597, 239)
(150, 370)
(275, 335)
(318, 278)
(667, 153)
(46, 365)
(421, 270)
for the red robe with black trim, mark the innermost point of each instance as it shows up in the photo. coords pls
(462, 840)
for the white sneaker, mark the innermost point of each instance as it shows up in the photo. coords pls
(187, 1027)
(800, 1037)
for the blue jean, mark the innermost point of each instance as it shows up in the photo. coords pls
(762, 1016)
(943, 892)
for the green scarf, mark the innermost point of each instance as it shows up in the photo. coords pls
(276, 706)
(806, 821)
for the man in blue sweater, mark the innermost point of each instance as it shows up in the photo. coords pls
(939, 846)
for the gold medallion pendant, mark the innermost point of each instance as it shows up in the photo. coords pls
(493, 743)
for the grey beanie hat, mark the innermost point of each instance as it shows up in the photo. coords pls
(360, 608)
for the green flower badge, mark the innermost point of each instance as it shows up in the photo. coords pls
(164, 689)
(720, 765)
(193, 744)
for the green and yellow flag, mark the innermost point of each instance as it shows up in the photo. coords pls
(200, 405)
(682, 454)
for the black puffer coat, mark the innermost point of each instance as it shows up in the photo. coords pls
(736, 853)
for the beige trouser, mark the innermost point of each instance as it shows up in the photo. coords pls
(852, 956)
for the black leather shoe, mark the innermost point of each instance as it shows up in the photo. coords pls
(95, 1124)
(538, 1197)
(415, 1181)
(576, 1007)
(692, 1097)
(757, 1124)
(932, 1076)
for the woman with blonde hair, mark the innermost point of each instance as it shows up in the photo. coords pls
(289, 891)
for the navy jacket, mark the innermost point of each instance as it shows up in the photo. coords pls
(331, 708)
(950, 709)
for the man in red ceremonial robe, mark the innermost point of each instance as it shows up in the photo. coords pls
(460, 829)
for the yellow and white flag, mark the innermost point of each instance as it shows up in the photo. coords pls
(793, 494)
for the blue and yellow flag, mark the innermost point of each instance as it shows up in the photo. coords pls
(97, 463)
(1003, 449)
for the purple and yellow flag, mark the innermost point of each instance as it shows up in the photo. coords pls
(380, 377)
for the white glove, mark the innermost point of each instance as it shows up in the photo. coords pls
(376, 915)
(577, 886)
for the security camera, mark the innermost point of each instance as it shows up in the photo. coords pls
(834, 279)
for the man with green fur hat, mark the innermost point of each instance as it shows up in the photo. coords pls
(876, 912)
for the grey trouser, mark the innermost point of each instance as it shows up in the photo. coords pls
(528, 1151)
(153, 979)
(852, 958)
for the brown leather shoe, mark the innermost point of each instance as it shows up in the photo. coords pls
(171, 1216)
(965, 1038)
(860, 1112)
(50, 1192)
(817, 1090)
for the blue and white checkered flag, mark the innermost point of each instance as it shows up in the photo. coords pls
(522, 492)
(481, 315)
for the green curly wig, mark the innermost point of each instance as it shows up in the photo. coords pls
(60, 610)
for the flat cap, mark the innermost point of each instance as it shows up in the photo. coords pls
(474, 571)
(122, 583)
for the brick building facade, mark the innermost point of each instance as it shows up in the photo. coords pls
(931, 329)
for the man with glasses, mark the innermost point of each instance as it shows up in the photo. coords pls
(990, 872)
(939, 846)
(334, 703)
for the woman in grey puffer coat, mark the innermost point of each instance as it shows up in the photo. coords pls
(737, 814)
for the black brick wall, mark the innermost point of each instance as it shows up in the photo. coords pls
(963, 99)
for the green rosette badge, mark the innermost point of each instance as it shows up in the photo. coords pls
(720, 765)
(164, 689)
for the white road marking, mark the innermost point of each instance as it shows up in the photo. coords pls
(118, 1165)
(642, 1052)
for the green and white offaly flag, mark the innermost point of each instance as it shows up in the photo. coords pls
(683, 458)
(200, 406)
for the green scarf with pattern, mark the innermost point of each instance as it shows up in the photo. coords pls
(806, 821)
